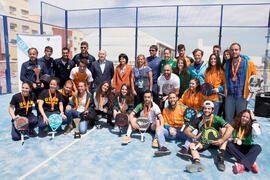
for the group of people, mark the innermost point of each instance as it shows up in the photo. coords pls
(158, 89)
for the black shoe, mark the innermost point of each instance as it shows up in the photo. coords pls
(162, 151)
(32, 132)
(220, 163)
(109, 122)
(42, 132)
(184, 153)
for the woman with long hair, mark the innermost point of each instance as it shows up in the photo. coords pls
(226, 56)
(79, 107)
(193, 97)
(123, 103)
(184, 75)
(103, 103)
(21, 105)
(243, 147)
(215, 75)
(141, 79)
(67, 92)
(50, 102)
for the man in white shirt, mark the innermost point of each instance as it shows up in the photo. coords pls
(167, 82)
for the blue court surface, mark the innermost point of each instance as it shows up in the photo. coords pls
(99, 155)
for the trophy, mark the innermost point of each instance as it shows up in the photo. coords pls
(37, 71)
(77, 134)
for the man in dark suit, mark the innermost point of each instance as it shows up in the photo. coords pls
(102, 69)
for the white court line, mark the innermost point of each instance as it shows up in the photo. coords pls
(53, 156)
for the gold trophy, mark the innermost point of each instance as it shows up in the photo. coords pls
(37, 71)
(77, 134)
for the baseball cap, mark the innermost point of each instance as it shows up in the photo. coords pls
(208, 103)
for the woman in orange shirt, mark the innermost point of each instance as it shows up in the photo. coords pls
(193, 97)
(215, 75)
(122, 74)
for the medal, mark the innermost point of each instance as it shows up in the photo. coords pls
(26, 104)
(234, 70)
(239, 142)
(52, 100)
(100, 103)
(146, 112)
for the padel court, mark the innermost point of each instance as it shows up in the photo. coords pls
(99, 155)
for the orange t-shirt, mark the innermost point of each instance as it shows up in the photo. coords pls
(174, 117)
(192, 99)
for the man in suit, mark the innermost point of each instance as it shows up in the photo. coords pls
(102, 69)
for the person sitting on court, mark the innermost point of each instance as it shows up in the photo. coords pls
(67, 92)
(208, 120)
(243, 148)
(167, 82)
(103, 104)
(173, 122)
(123, 103)
(79, 107)
(193, 97)
(215, 75)
(147, 109)
(22, 103)
(81, 73)
(50, 101)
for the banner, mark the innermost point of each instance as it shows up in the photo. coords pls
(24, 42)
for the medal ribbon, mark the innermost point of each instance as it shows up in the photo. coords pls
(210, 123)
(123, 105)
(146, 114)
(101, 101)
(26, 104)
(241, 134)
(52, 100)
(234, 71)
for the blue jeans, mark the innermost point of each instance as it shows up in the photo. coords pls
(217, 105)
(71, 114)
(234, 105)
(161, 135)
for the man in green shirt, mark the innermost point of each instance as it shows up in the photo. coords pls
(208, 120)
(167, 60)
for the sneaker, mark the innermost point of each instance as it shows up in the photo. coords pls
(184, 153)
(238, 168)
(155, 143)
(162, 151)
(68, 130)
(254, 168)
(220, 163)
(126, 140)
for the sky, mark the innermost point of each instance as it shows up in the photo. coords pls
(253, 40)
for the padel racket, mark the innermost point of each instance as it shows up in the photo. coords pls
(209, 135)
(143, 124)
(190, 114)
(207, 89)
(255, 83)
(55, 121)
(121, 121)
(22, 125)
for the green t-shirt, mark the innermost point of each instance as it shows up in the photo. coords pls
(245, 140)
(184, 85)
(170, 62)
(217, 123)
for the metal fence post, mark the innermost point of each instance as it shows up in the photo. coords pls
(176, 31)
(99, 28)
(41, 21)
(66, 27)
(266, 54)
(8, 82)
(136, 35)
(220, 26)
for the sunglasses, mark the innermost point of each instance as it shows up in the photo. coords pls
(151, 50)
(83, 47)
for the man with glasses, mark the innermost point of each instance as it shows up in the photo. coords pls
(154, 63)
(84, 54)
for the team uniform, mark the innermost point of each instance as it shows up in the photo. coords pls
(217, 79)
(23, 107)
(198, 70)
(90, 59)
(192, 99)
(48, 65)
(76, 76)
(50, 105)
(184, 83)
(28, 73)
(79, 107)
(66, 97)
(122, 106)
(62, 70)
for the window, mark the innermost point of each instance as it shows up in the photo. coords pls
(24, 12)
(34, 31)
(25, 28)
(12, 10)
(13, 26)
(13, 41)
